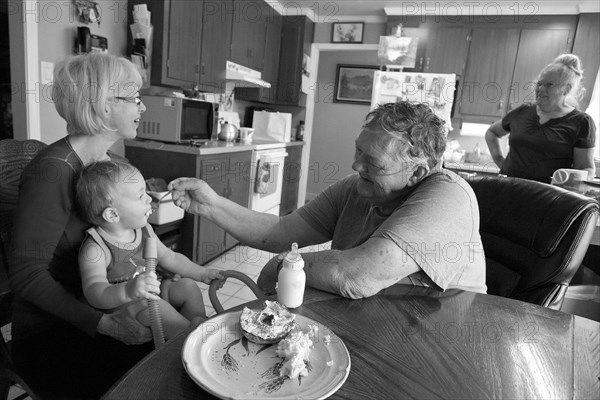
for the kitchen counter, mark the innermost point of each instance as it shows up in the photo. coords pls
(487, 168)
(206, 148)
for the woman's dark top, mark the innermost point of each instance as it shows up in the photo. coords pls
(54, 339)
(537, 150)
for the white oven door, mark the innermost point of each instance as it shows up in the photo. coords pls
(268, 179)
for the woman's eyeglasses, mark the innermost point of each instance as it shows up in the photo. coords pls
(135, 100)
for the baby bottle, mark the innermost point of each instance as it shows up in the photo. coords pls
(291, 279)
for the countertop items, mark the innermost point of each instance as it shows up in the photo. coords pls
(210, 147)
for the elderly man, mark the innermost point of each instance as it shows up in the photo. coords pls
(400, 219)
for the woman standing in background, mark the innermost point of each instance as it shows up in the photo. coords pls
(550, 134)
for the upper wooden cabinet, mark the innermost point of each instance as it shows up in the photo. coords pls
(270, 72)
(531, 58)
(499, 78)
(290, 60)
(294, 39)
(249, 33)
(586, 45)
(446, 51)
(489, 72)
(188, 42)
(217, 23)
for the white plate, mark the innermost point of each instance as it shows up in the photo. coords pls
(204, 350)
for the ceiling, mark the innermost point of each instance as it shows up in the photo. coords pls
(378, 10)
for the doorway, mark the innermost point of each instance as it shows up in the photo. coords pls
(6, 126)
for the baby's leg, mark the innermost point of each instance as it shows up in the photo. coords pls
(172, 321)
(185, 295)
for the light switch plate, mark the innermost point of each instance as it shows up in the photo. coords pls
(47, 72)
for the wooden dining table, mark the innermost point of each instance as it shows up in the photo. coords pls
(413, 342)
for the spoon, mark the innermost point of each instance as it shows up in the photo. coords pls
(157, 199)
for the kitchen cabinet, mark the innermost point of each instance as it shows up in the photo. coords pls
(446, 51)
(249, 33)
(270, 72)
(188, 37)
(296, 38)
(228, 174)
(531, 58)
(291, 178)
(499, 78)
(283, 61)
(488, 73)
(586, 45)
(216, 30)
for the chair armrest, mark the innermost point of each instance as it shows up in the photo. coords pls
(212, 290)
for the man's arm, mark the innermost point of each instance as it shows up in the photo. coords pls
(355, 273)
(259, 230)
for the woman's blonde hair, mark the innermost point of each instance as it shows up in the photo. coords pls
(82, 84)
(571, 74)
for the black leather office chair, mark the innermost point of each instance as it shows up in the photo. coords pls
(534, 236)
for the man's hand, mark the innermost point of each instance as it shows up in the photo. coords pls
(143, 286)
(124, 326)
(268, 276)
(193, 195)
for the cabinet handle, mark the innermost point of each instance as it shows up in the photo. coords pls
(427, 60)
(511, 106)
(197, 69)
(203, 69)
(421, 63)
(501, 105)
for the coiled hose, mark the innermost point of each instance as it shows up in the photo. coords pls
(150, 256)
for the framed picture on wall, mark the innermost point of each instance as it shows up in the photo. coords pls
(347, 32)
(354, 83)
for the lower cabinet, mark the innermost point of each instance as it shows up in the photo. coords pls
(291, 179)
(228, 174)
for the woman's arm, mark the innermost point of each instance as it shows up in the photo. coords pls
(492, 138)
(44, 229)
(584, 159)
(104, 295)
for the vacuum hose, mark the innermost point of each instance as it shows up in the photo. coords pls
(150, 256)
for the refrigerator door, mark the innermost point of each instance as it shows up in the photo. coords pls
(437, 90)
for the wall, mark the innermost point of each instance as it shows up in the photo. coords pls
(56, 25)
(336, 125)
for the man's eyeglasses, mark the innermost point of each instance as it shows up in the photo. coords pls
(135, 100)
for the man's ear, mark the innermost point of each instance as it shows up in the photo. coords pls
(110, 215)
(418, 175)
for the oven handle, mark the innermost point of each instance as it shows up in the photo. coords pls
(272, 154)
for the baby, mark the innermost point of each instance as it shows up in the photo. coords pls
(112, 196)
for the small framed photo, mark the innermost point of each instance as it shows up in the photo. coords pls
(347, 32)
(354, 83)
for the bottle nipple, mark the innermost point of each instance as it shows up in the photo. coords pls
(294, 253)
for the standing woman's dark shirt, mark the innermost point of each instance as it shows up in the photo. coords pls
(537, 150)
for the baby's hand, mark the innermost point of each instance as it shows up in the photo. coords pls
(211, 274)
(143, 286)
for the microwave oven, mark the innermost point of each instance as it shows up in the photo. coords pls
(177, 119)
